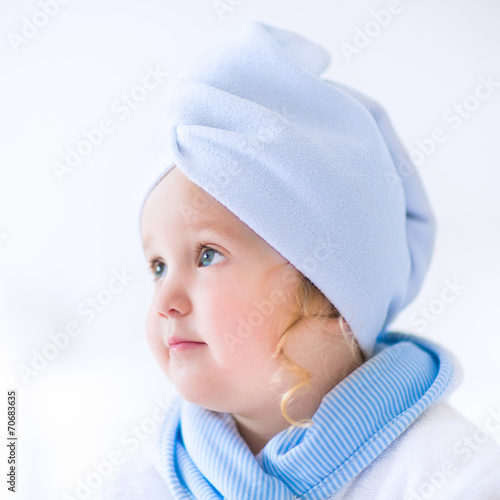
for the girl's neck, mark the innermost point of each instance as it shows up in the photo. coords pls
(258, 431)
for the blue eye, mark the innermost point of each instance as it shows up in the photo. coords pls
(157, 268)
(208, 255)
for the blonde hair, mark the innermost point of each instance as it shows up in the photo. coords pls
(306, 295)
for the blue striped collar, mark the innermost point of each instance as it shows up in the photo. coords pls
(204, 457)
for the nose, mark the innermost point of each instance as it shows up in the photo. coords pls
(172, 297)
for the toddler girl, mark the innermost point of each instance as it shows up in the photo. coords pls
(283, 239)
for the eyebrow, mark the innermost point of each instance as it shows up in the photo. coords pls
(223, 231)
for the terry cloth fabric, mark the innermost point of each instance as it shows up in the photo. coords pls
(458, 461)
(310, 165)
(204, 457)
(442, 456)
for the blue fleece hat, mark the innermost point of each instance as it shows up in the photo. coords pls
(311, 165)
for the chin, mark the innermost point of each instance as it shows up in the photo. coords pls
(205, 399)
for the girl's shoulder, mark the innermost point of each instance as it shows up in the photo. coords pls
(442, 455)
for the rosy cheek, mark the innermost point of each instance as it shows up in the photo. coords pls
(213, 304)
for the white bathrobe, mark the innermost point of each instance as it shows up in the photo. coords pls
(441, 456)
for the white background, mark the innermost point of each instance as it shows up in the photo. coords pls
(61, 241)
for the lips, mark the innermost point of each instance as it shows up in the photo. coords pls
(186, 346)
(177, 342)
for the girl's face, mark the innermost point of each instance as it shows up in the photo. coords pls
(217, 283)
